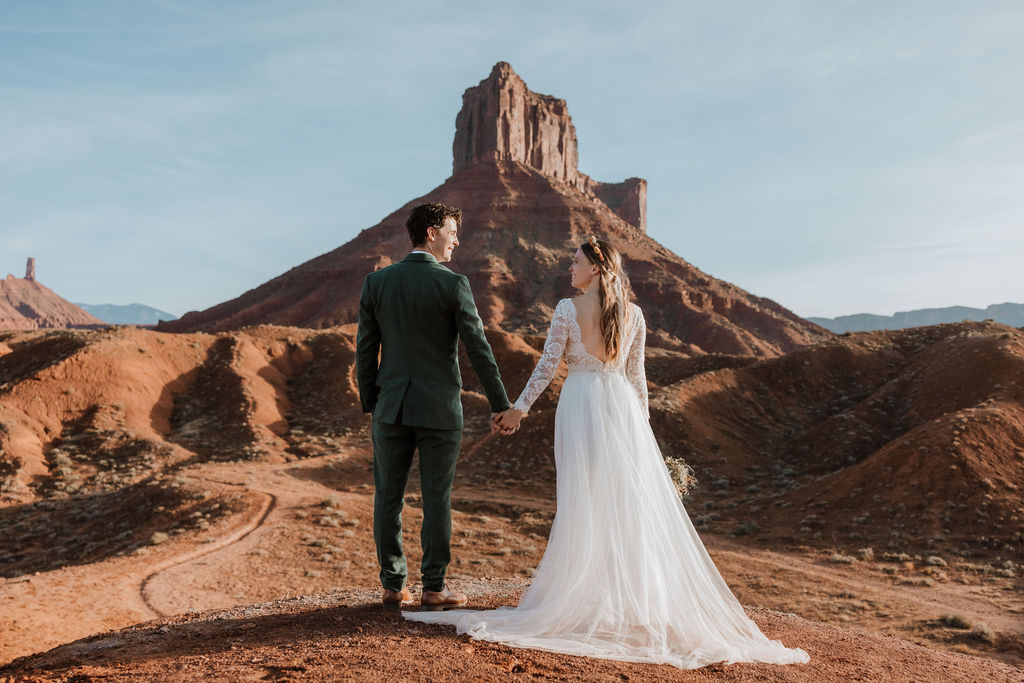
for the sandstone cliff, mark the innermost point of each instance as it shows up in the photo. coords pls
(526, 208)
(503, 120)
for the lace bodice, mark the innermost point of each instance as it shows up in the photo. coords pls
(564, 338)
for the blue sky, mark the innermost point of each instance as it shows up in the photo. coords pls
(838, 157)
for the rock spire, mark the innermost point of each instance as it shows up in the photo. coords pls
(503, 120)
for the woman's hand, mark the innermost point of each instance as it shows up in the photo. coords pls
(507, 422)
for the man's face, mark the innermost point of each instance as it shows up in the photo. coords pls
(445, 239)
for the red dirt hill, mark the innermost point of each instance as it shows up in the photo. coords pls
(526, 208)
(25, 304)
(907, 441)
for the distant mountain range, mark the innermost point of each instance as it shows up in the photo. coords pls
(1007, 314)
(131, 314)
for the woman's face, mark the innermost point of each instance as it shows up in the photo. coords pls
(581, 270)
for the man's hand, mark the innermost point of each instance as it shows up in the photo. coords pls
(496, 427)
(506, 422)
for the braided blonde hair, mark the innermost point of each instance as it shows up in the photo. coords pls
(613, 290)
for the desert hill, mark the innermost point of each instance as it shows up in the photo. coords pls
(526, 207)
(907, 442)
(25, 304)
(920, 428)
(1005, 313)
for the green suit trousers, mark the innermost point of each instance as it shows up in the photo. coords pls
(393, 449)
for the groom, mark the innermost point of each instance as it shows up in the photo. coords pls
(413, 313)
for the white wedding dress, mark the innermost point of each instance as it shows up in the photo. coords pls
(624, 575)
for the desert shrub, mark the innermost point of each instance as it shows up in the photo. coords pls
(839, 558)
(896, 557)
(983, 633)
(955, 621)
(920, 581)
(60, 458)
(747, 528)
(704, 520)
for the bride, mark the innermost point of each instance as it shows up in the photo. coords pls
(624, 575)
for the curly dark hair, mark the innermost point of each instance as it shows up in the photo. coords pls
(429, 216)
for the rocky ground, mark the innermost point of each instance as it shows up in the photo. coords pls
(284, 588)
(204, 503)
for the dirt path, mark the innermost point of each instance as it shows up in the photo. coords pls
(270, 500)
(48, 608)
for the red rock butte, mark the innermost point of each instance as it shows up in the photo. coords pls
(526, 207)
(25, 304)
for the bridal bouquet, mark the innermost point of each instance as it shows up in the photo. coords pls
(682, 475)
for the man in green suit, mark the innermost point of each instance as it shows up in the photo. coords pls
(413, 313)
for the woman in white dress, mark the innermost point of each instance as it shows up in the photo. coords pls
(624, 575)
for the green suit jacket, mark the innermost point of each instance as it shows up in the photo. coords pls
(413, 313)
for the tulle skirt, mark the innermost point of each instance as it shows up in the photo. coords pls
(624, 575)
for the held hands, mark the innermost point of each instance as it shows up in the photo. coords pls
(506, 422)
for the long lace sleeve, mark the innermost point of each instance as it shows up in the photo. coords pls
(635, 361)
(547, 366)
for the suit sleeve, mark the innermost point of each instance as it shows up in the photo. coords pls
(367, 350)
(471, 331)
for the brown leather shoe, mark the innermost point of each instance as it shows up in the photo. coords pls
(436, 601)
(397, 598)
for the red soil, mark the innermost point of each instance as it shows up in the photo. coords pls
(248, 450)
